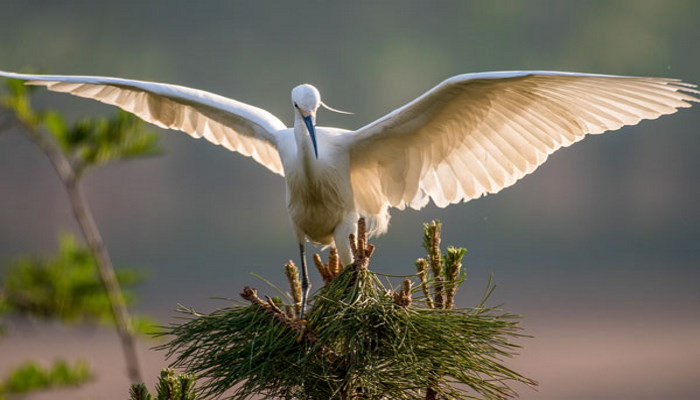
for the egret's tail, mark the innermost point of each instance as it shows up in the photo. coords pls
(377, 224)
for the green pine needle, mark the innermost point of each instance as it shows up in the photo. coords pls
(355, 344)
(169, 387)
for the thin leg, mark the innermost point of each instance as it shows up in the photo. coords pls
(305, 286)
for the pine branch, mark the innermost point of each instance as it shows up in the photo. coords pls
(422, 267)
(431, 243)
(453, 267)
(169, 387)
(361, 250)
(359, 341)
(272, 309)
(292, 273)
(331, 269)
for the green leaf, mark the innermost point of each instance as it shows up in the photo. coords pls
(30, 376)
(88, 142)
(66, 287)
(57, 126)
(98, 141)
(17, 100)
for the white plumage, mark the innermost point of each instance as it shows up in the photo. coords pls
(469, 136)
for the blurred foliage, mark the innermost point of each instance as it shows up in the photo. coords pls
(361, 340)
(88, 142)
(17, 99)
(66, 287)
(31, 376)
(169, 387)
(95, 141)
(79, 284)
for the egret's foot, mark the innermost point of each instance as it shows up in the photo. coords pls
(302, 313)
(305, 289)
(305, 285)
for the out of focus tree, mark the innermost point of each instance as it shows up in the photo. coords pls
(72, 150)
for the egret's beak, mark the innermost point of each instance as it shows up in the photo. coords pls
(308, 120)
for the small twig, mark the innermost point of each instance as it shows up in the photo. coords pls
(403, 297)
(322, 269)
(292, 273)
(361, 250)
(334, 261)
(432, 246)
(331, 269)
(422, 268)
(453, 265)
(272, 305)
(297, 326)
(289, 312)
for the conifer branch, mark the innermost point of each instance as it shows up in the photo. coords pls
(334, 264)
(431, 243)
(359, 341)
(453, 267)
(269, 306)
(361, 250)
(422, 268)
(331, 269)
(292, 273)
(403, 297)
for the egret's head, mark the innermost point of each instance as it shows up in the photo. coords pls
(306, 100)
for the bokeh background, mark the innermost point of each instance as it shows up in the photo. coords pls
(598, 249)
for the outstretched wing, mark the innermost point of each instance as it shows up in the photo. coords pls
(237, 126)
(476, 134)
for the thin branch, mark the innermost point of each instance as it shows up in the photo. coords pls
(361, 250)
(92, 236)
(431, 242)
(297, 326)
(331, 269)
(292, 273)
(422, 268)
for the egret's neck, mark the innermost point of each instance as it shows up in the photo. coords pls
(305, 149)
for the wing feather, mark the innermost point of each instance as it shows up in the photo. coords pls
(476, 134)
(234, 125)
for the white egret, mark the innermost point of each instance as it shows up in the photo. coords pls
(469, 136)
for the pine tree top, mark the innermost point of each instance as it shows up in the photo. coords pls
(360, 340)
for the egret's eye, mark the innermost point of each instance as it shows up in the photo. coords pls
(295, 105)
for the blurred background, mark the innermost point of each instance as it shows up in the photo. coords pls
(598, 249)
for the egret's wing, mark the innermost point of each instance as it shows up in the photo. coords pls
(476, 134)
(237, 126)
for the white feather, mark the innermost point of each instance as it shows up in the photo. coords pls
(476, 134)
(469, 136)
(237, 126)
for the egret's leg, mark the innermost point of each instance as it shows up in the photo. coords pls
(305, 286)
(341, 236)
